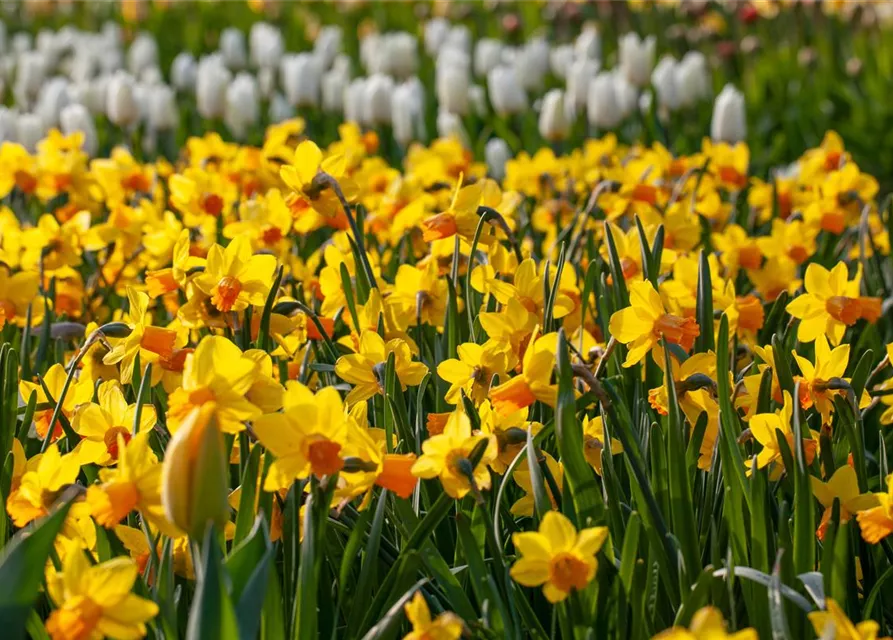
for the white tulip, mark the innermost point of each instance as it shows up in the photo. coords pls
(588, 44)
(30, 73)
(663, 78)
(729, 123)
(265, 45)
(532, 64)
(355, 101)
(120, 104)
(301, 75)
(151, 76)
(9, 124)
(400, 55)
(30, 131)
(692, 78)
(327, 45)
(554, 121)
(436, 32)
(280, 109)
(163, 114)
(52, 99)
(76, 117)
(452, 89)
(143, 53)
(334, 82)
(449, 125)
(627, 94)
(506, 93)
(487, 55)
(497, 153)
(637, 58)
(407, 112)
(21, 42)
(184, 72)
(580, 74)
(378, 91)
(210, 87)
(459, 37)
(242, 109)
(560, 60)
(232, 48)
(602, 110)
(266, 81)
(477, 99)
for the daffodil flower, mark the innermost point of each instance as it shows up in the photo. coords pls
(234, 278)
(365, 369)
(835, 622)
(844, 487)
(706, 624)
(446, 626)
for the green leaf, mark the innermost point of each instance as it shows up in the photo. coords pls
(541, 502)
(777, 616)
(481, 580)
(704, 341)
(369, 566)
(249, 566)
(390, 621)
(264, 341)
(247, 496)
(804, 503)
(21, 568)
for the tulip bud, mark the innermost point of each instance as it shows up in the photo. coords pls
(280, 109)
(400, 57)
(487, 55)
(477, 99)
(242, 105)
(8, 125)
(194, 482)
(532, 64)
(30, 73)
(637, 58)
(506, 94)
(729, 123)
(407, 112)
(210, 88)
(436, 32)
(627, 94)
(184, 72)
(497, 153)
(602, 110)
(143, 53)
(265, 45)
(378, 90)
(355, 101)
(580, 74)
(458, 38)
(327, 45)
(232, 48)
(334, 83)
(120, 102)
(560, 60)
(301, 75)
(52, 99)
(76, 117)
(452, 86)
(692, 78)
(554, 121)
(588, 45)
(29, 131)
(163, 114)
(449, 125)
(663, 78)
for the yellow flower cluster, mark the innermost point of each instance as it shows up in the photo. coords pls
(306, 301)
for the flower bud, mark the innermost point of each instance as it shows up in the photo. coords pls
(334, 83)
(407, 112)
(436, 32)
(729, 123)
(354, 101)
(242, 109)
(588, 45)
(232, 48)
(627, 94)
(327, 45)
(506, 94)
(637, 58)
(602, 110)
(30, 130)
(30, 73)
(458, 38)
(8, 125)
(580, 74)
(194, 483)
(184, 71)
(280, 109)
(452, 87)
(163, 114)
(143, 53)
(265, 45)
(52, 99)
(560, 60)
(497, 153)
(663, 78)
(378, 90)
(210, 88)
(487, 55)
(400, 57)
(692, 79)
(120, 101)
(76, 117)
(532, 64)
(300, 75)
(554, 121)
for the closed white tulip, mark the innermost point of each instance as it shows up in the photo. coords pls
(327, 45)
(242, 109)
(554, 121)
(163, 114)
(506, 93)
(692, 78)
(436, 32)
(452, 89)
(637, 58)
(143, 53)
(487, 55)
(9, 124)
(407, 112)
(497, 153)
(627, 94)
(355, 101)
(265, 45)
(184, 71)
(120, 100)
(560, 60)
(580, 74)
(210, 88)
(378, 91)
(301, 75)
(532, 64)
(588, 45)
(602, 109)
(280, 109)
(30, 131)
(31, 71)
(76, 117)
(449, 125)
(232, 48)
(332, 87)
(663, 79)
(729, 123)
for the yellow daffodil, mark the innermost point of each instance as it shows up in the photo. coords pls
(79, 392)
(830, 364)
(365, 370)
(475, 369)
(101, 425)
(834, 621)
(446, 626)
(558, 557)
(524, 506)
(234, 278)
(842, 486)
(533, 383)
(594, 442)
(706, 624)
(876, 523)
(764, 427)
